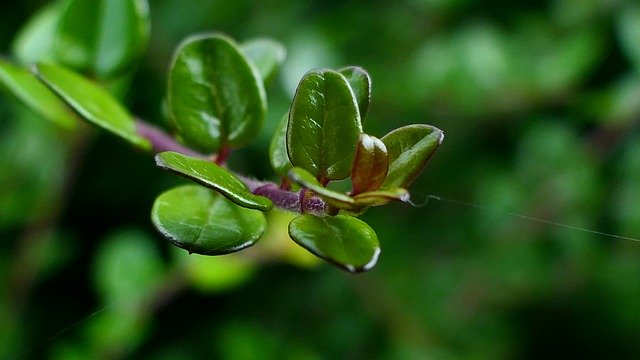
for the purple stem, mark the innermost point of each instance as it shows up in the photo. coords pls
(282, 199)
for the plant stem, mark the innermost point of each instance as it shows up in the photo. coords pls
(283, 199)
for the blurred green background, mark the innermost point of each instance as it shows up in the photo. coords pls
(540, 104)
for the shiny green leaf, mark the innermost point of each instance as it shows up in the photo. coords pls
(360, 83)
(266, 55)
(324, 125)
(102, 37)
(370, 165)
(92, 102)
(305, 179)
(409, 149)
(35, 95)
(204, 222)
(216, 97)
(213, 176)
(342, 240)
(34, 42)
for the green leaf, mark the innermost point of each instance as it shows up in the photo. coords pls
(278, 155)
(628, 24)
(342, 240)
(381, 197)
(216, 97)
(370, 165)
(360, 83)
(92, 102)
(213, 176)
(409, 149)
(35, 95)
(306, 179)
(102, 37)
(266, 55)
(324, 125)
(204, 222)
(34, 42)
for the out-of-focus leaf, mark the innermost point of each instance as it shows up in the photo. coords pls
(409, 149)
(204, 222)
(324, 125)
(213, 176)
(127, 268)
(92, 102)
(34, 42)
(104, 37)
(28, 89)
(370, 165)
(266, 55)
(278, 155)
(215, 274)
(629, 33)
(216, 97)
(342, 240)
(307, 180)
(360, 83)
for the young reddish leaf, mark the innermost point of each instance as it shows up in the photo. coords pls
(216, 97)
(370, 165)
(324, 124)
(410, 148)
(360, 83)
(342, 240)
(204, 222)
(212, 176)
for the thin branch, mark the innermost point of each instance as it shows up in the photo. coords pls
(294, 201)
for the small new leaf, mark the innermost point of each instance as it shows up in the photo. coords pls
(278, 155)
(92, 102)
(324, 124)
(342, 240)
(370, 165)
(212, 176)
(216, 97)
(202, 221)
(305, 179)
(410, 148)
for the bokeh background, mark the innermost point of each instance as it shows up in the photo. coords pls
(540, 104)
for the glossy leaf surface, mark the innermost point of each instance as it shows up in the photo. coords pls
(360, 83)
(409, 149)
(324, 125)
(278, 155)
(305, 179)
(28, 89)
(92, 102)
(102, 37)
(342, 240)
(213, 176)
(266, 55)
(216, 97)
(370, 164)
(204, 222)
